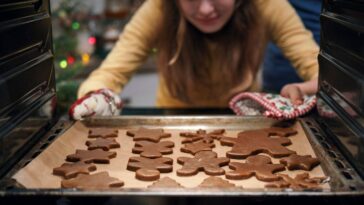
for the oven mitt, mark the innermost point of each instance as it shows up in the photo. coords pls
(270, 105)
(102, 102)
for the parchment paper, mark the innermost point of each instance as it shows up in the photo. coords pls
(38, 173)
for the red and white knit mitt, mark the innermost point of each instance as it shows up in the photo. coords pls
(270, 105)
(102, 102)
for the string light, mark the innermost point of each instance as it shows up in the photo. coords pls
(75, 25)
(92, 40)
(63, 64)
(85, 58)
(70, 60)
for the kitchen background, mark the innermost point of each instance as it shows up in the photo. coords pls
(84, 32)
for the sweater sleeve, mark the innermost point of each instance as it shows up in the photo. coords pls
(130, 51)
(287, 31)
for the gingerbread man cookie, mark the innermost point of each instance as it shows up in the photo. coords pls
(294, 162)
(202, 135)
(95, 156)
(196, 147)
(260, 166)
(299, 182)
(206, 161)
(102, 143)
(166, 182)
(216, 182)
(100, 180)
(259, 141)
(153, 150)
(68, 170)
(102, 132)
(153, 135)
(149, 169)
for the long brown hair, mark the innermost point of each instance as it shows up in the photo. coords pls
(184, 56)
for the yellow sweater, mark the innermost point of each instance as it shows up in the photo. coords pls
(283, 27)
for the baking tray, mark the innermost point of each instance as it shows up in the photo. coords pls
(344, 180)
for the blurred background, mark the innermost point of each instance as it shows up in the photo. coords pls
(84, 32)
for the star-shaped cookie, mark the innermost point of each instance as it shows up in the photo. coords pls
(301, 181)
(102, 143)
(202, 135)
(196, 147)
(88, 156)
(153, 135)
(68, 170)
(305, 162)
(102, 132)
(100, 180)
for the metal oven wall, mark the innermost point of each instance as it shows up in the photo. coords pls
(341, 95)
(27, 86)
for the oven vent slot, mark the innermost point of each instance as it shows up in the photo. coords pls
(337, 163)
(53, 134)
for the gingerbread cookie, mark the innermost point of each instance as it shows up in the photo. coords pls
(100, 180)
(260, 166)
(149, 169)
(216, 182)
(68, 170)
(153, 135)
(153, 150)
(299, 182)
(202, 135)
(294, 162)
(166, 182)
(102, 143)
(102, 132)
(196, 147)
(280, 131)
(259, 141)
(95, 156)
(206, 161)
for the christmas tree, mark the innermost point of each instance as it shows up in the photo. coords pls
(73, 45)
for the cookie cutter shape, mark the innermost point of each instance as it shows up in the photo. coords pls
(196, 147)
(95, 156)
(301, 181)
(100, 180)
(216, 182)
(259, 141)
(68, 170)
(165, 182)
(202, 135)
(102, 132)
(259, 166)
(295, 162)
(152, 149)
(149, 169)
(153, 135)
(206, 161)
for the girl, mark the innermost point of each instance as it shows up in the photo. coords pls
(208, 51)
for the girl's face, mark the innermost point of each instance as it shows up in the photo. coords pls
(209, 16)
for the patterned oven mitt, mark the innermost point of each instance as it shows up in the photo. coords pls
(270, 105)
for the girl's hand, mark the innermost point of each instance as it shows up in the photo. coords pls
(296, 91)
(293, 92)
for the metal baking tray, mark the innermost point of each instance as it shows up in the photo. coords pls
(344, 180)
